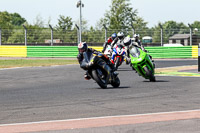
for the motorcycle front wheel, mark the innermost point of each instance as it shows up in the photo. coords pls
(98, 77)
(150, 74)
(117, 63)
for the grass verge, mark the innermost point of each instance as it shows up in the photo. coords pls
(34, 62)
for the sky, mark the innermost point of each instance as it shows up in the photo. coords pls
(152, 11)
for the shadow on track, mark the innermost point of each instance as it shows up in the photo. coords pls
(124, 69)
(112, 88)
(156, 81)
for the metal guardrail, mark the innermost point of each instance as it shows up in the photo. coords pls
(199, 58)
(170, 52)
(13, 51)
(72, 51)
(52, 51)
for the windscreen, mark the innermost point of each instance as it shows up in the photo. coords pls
(134, 51)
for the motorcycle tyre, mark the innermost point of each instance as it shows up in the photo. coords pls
(149, 73)
(98, 80)
(117, 63)
(116, 83)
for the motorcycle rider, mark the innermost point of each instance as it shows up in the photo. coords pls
(83, 47)
(137, 40)
(128, 42)
(118, 39)
(109, 41)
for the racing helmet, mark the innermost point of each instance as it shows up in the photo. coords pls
(127, 41)
(136, 35)
(113, 36)
(82, 47)
(120, 35)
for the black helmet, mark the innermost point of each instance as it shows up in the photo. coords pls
(82, 47)
(120, 35)
(127, 41)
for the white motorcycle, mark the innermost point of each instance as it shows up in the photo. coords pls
(119, 53)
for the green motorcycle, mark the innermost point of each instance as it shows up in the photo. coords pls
(142, 64)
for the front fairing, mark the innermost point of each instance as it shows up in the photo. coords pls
(137, 55)
(119, 50)
(87, 56)
(139, 60)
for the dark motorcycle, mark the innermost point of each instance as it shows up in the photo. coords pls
(99, 70)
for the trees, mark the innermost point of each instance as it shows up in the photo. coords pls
(64, 23)
(5, 20)
(196, 24)
(62, 29)
(6, 25)
(9, 21)
(120, 16)
(17, 20)
(169, 29)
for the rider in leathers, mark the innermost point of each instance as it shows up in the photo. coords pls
(128, 42)
(138, 42)
(109, 41)
(83, 47)
(118, 39)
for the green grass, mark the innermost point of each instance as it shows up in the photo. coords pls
(34, 62)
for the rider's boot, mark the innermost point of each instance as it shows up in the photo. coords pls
(128, 60)
(87, 76)
(113, 70)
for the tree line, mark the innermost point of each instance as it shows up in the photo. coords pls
(120, 17)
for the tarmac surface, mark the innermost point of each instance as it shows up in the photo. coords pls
(40, 96)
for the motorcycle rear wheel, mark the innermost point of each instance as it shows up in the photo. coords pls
(98, 79)
(149, 73)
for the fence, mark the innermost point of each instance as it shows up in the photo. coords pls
(45, 36)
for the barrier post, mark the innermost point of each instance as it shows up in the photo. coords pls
(105, 32)
(78, 37)
(25, 35)
(133, 29)
(51, 34)
(161, 34)
(199, 58)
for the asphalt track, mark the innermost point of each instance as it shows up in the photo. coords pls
(60, 93)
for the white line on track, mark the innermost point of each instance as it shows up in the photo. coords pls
(51, 121)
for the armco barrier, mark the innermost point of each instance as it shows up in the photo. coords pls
(194, 51)
(52, 51)
(72, 51)
(166, 52)
(170, 52)
(96, 48)
(13, 51)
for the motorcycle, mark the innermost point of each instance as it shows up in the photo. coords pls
(100, 71)
(142, 64)
(118, 53)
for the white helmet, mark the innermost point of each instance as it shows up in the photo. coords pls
(120, 35)
(136, 35)
(127, 41)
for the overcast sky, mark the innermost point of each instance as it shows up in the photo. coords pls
(152, 11)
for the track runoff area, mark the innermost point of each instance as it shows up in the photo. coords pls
(86, 123)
